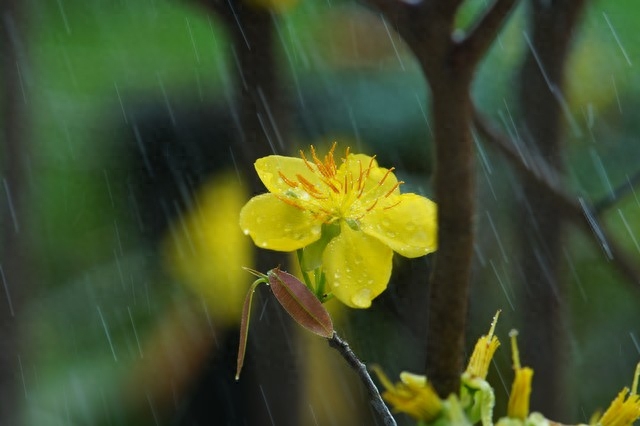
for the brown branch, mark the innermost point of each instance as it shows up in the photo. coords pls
(476, 43)
(15, 265)
(427, 29)
(361, 369)
(572, 208)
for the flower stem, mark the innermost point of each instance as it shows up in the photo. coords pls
(361, 369)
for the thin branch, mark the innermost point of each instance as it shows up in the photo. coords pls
(619, 192)
(474, 46)
(376, 400)
(571, 207)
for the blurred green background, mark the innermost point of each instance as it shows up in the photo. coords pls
(101, 293)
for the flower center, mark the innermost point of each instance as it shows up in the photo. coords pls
(349, 191)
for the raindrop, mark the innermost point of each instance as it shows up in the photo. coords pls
(362, 298)
(245, 231)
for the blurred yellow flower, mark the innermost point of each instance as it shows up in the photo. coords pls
(518, 406)
(623, 412)
(206, 252)
(357, 201)
(412, 395)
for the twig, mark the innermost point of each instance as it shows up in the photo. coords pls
(483, 33)
(376, 400)
(571, 207)
(617, 193)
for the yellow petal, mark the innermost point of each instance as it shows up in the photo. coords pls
(483, 352)
(357, 267)
(409, 228)
(272, 167)
(518, 406)
(276, 225)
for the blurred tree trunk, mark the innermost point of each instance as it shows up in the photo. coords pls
(13, 261)
(543, 295)
(263, 123)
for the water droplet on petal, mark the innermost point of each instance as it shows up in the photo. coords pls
(362, 298)
(263, 244)
(245, 231)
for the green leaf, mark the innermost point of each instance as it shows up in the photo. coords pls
(301, 304)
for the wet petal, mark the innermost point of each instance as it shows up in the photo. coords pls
(409, 228)
(357, 267)
(270, 170)
(276, 225)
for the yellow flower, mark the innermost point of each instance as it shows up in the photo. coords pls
(476, 394)
(412, 395)
(623, 412)
(483, 352)
(518, 406)
(357, 203)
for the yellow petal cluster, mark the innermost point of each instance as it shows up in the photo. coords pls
(413, 395)
(359, 198)
(483, 352)
(624, 410)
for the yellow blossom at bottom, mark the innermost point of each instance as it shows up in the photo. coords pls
(412, 395)
(518, 407)
(623, 411)
(483, 352)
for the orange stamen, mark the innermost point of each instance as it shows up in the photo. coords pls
(394, 188)
(309, 187)
(393, 205)
(385, 175)
(306, 162)
(287, 181)
(289, 201)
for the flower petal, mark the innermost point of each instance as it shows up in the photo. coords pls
(275, 225)
(271, 167)
(357, 267)
(409, 228)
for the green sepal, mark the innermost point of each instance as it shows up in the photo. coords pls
(312, 254)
